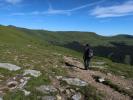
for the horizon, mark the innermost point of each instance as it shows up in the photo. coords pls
(68, 31)
(102, 17)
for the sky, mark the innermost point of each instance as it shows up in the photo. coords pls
(105, 17)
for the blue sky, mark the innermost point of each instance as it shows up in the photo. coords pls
(105, 17)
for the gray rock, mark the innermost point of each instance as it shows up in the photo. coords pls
(9, 66)
(46, 89)
(101, 80)
(12, 84)
(123, 77)
(34, 73)
(72, 90)
(127, 88)
(59, 97)
(61, 89)
(77, 96)
(17, 82)
(99, 63)
(26, 93)
(23, 82)
(1, 98)
(75, 81)
(49, 98)
(67, 91)
(109, 74)
(59, 77)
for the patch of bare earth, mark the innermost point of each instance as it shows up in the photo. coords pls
(110, 94)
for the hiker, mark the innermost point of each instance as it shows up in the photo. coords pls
(88, 54)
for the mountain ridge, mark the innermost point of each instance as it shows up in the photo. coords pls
(117, 35)
(116, 48)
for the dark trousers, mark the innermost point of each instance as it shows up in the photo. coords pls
(86, 63)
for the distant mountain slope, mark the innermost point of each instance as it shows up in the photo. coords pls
(13, 35)
(118, 48)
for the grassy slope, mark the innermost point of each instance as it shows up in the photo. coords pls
(27, 51)
(82, 37)
(116, 47)
(32, 51)
(33, 44)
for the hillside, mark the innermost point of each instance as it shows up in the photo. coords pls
(117, 48)
(38, 65)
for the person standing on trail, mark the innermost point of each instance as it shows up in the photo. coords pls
(88, 54)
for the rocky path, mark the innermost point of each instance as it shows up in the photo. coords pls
(110, 93)
(77, 77)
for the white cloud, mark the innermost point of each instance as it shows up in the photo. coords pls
(52, 11)
(13, 1)
(69, 11)
(114, 11)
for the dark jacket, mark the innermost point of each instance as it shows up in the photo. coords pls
(87, 52)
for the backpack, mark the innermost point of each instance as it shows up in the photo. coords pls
(90, 53)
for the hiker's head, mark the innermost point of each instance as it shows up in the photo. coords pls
(87, 45)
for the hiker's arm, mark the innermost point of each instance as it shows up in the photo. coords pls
(84, 53)
(84, 56)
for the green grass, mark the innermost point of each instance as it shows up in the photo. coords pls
(7, 74)
(17, 95)
(91, 93)
(121, 69)
(41, 80)
(114, 68)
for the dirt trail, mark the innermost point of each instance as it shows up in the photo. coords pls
(110, 94)
(120, 81)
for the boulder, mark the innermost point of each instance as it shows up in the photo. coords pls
(100, 63)
(26, 93)
(23, 82)
(12, 84)
(101, 80)
(72, 90)
(59, 97)
(33, 73)
(75, 81)
(59, 77)
(46, 89)
(9, 66)
(49, 98)
(67, 91)
(77, 96)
